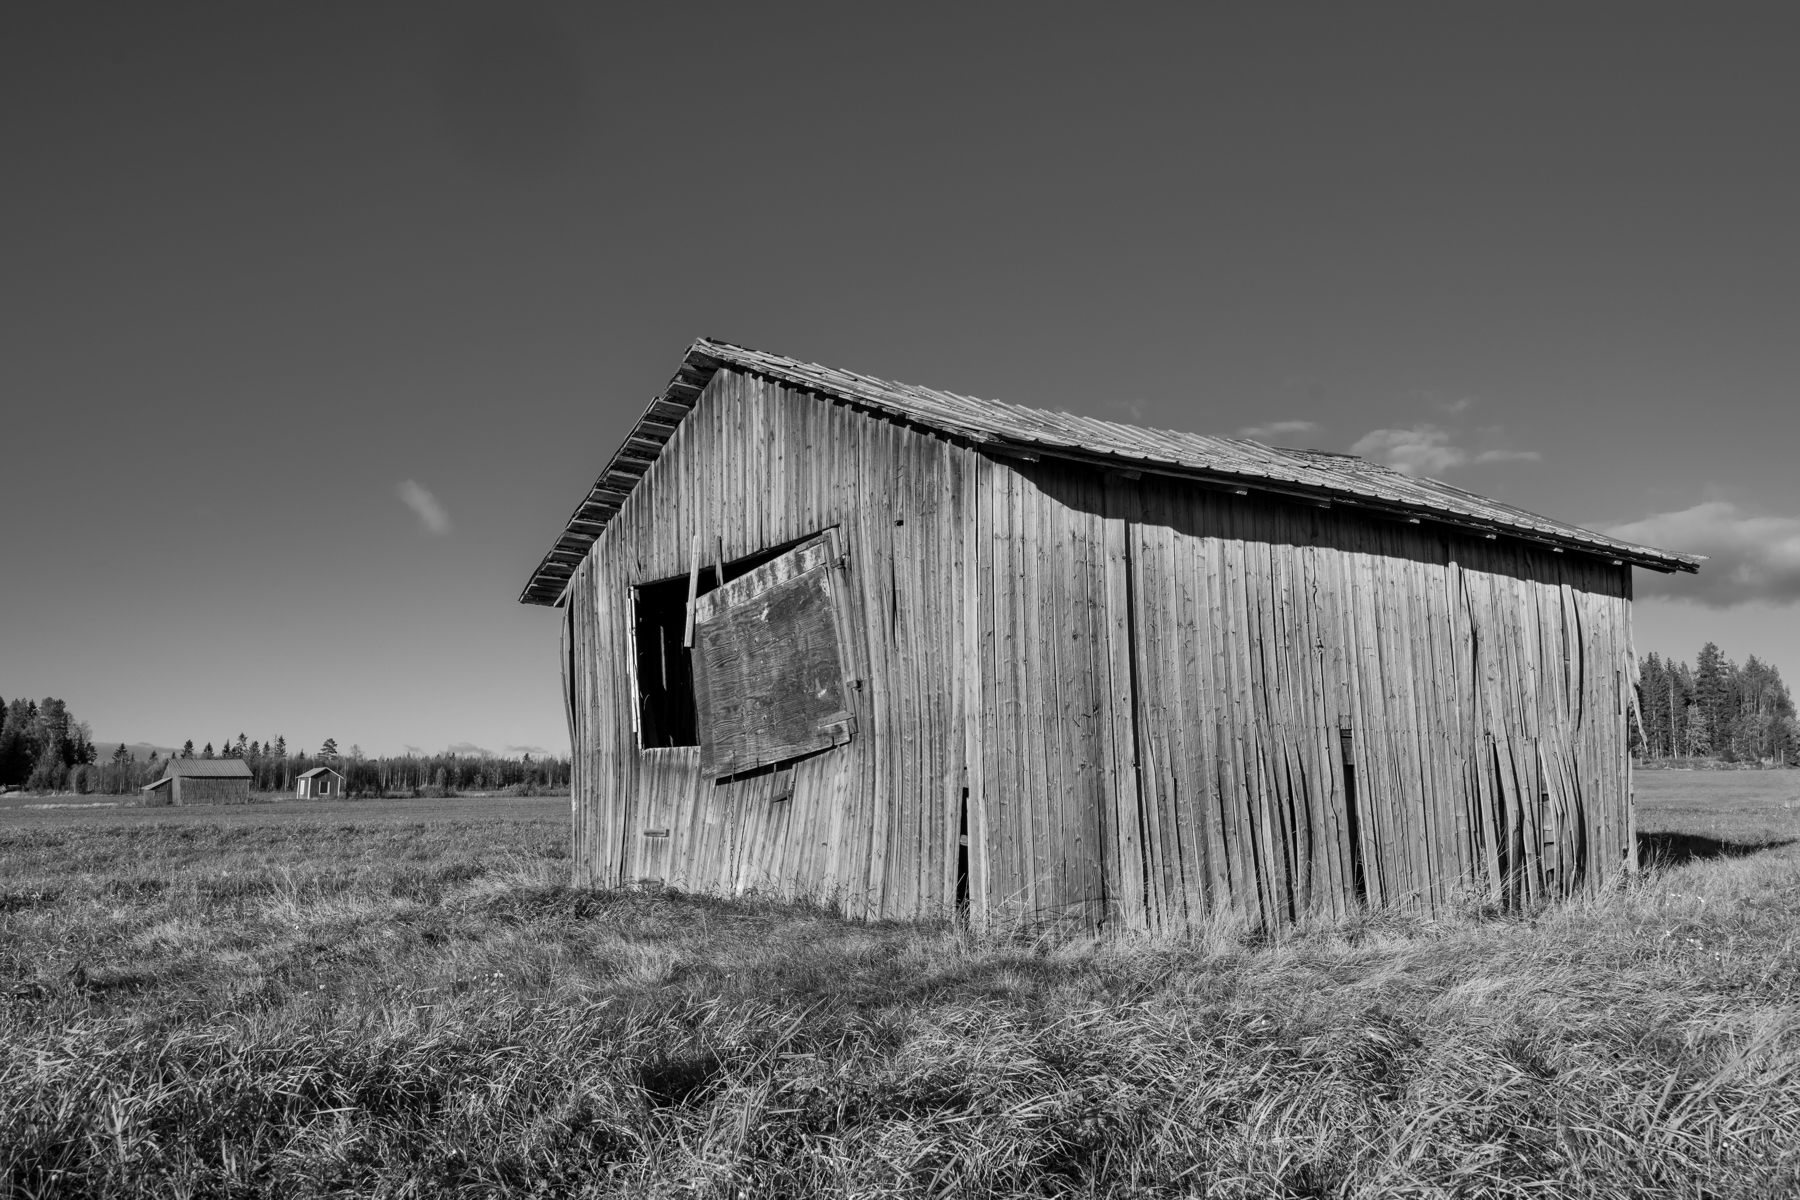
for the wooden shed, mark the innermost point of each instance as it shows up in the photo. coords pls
(905, 650)
(201, 781)
(320, 783)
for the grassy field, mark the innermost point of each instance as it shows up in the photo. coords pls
(402, 998)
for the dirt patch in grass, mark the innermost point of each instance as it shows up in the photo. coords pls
(408, 1000)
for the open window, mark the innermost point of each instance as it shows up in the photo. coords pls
(770, 662)
(665, 675)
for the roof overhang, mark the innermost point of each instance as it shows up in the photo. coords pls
(1012, 431)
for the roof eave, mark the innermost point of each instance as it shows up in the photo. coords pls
(629, 463)
(549, 583)
(1326, 497)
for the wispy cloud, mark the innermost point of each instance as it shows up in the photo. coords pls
(431, 514)
(468, 749)
(1278, 429)
(1129, 411)
(1421, 450)
(1749, 558)
(534, 751)
(1427, 449)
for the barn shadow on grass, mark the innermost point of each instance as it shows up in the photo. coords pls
(1674, 849)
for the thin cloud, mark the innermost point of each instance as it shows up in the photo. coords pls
(431, 513)
(1421, 450)
(1494, 456)
(1278, 429)
(1444, 403)
(534, 751)
(468, 750)
(1131, 410)
(1748, 558)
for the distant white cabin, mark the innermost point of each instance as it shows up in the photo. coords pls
(320, 783)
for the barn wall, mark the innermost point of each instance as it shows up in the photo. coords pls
(1168, 672)
(198, 789)
(1141, 684)
(871, 824)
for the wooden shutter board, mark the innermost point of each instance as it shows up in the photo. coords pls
(814, 553)
(773, 677)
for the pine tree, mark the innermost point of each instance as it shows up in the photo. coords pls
(280, 746)
(241, 746)
(208, 752)
(17, 750)
(187, 748)
(1709, 679)
(329, 749)
(52, 732)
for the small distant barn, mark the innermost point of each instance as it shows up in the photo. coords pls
(320, 783)
(201, 781)
(905, 650)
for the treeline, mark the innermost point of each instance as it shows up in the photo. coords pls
(41, 742)
(1716, 709)
(44, 749)
(447, 774)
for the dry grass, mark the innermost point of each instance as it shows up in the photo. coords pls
(404, 1000)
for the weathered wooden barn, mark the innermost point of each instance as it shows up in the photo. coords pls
(200, 781)
(831, 636)
(320, 783)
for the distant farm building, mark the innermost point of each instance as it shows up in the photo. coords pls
(826, 635)
(320, 783)
(201, 781)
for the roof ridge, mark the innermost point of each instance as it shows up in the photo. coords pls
(1313, 476)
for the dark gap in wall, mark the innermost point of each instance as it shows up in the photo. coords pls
(1137, 773)
(1358, 877)
(962, 859)
(1505, 854)
(1299, 843)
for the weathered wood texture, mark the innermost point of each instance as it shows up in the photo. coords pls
(1478, 690)
(1162, 701)
(769, 662)
(870, 823)
(198, 789)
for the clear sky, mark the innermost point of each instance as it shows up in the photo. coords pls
(317, 320)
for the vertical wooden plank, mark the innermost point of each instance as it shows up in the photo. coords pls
(1125, 862)
(986, 788)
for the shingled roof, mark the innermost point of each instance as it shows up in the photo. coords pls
(1315, 476)
(207, 768)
